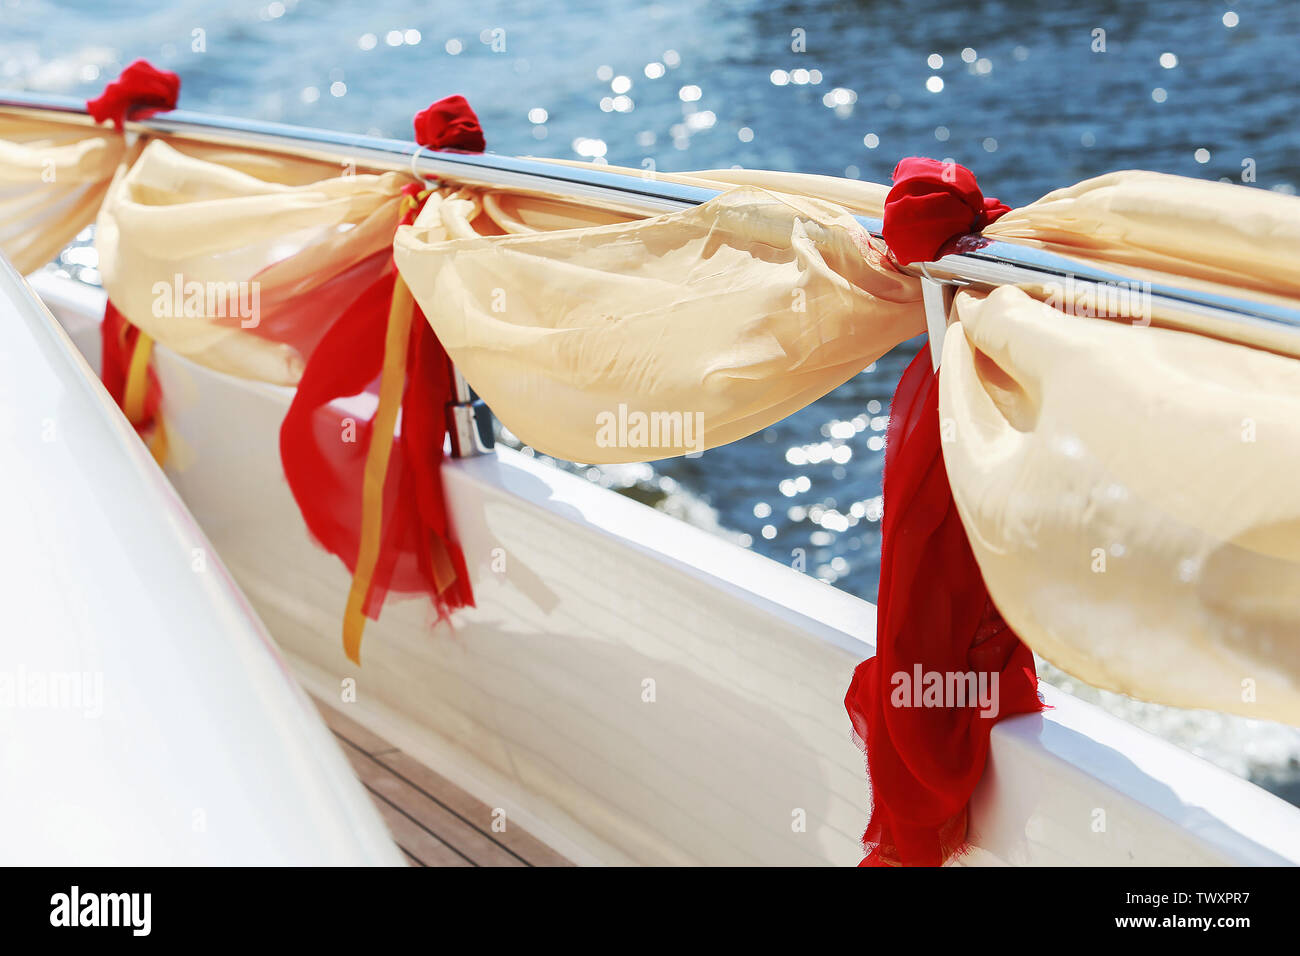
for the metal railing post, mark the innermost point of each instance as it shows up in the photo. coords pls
(937, 298)
(469, 421)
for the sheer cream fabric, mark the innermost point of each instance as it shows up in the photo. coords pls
(1130, 491)
(1213, 232)
(52, 178)
(219, 217)
(1131, 496)
(713, 322)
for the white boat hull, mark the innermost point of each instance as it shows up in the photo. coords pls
(146, 717)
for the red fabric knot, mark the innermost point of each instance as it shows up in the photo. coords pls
(449, 124)
(932, 203)
(141, 91)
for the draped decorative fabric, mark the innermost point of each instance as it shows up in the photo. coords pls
(53, 176)
(729, 316)
(239, 268)
(1125, 483)
(1208, 232)
(1131, 495)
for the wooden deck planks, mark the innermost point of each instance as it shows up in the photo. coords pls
(433, 821)
(478, 814)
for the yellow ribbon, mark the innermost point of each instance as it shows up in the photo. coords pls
(137, 389)
(392, 383)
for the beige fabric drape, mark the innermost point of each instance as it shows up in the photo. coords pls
(1207, 232)
(52, 178)
(723, 319)
(1131, 495)
(178, 218)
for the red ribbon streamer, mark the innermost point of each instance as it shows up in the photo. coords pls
(323, 450)
(118, 339)
(141, 91)
(930, 204)
(935, 617)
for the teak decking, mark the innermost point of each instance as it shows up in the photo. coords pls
(434, 822)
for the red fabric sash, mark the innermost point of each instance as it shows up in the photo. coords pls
(299, 316)
(117, 339)
(934, 615)
(323, 451)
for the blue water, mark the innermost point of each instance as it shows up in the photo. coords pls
(1027, 100)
